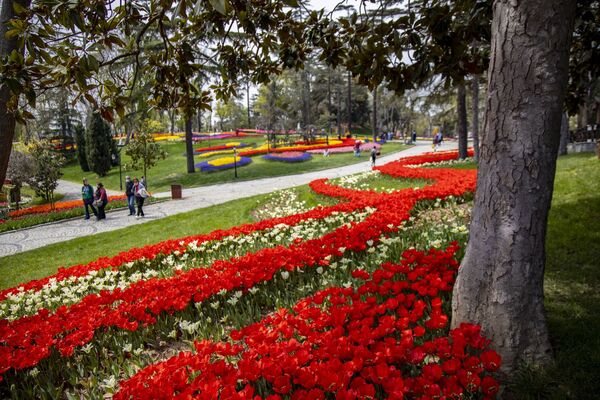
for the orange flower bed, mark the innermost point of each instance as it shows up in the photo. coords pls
(60, 206)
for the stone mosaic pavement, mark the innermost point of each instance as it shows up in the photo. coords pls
(193, 198)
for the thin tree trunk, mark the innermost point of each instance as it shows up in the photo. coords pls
(199, 120)
(349, 107)
(7, 119)
(462, 121)
(375, 114)
(329, 100)
(248, 104)
(564, 135)
(189, 148)
(475, 109)
(338, 113)
(500, 282)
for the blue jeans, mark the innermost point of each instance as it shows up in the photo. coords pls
(131, 204)
(86, 204)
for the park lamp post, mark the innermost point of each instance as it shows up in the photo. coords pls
(235, 162)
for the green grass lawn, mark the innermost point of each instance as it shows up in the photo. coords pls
(572, 281)
(173, 168)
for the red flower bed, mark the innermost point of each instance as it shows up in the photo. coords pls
(26, 341)
(60, 206)
(382, 340)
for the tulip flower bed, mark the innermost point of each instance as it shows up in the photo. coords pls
(30, 216)
(226, 146)
(60, 206)
(222, 163)
(264, 149)
(288, 156)
(382, 340)
(348, 149)
(85, 331)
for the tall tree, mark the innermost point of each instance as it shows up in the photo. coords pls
(9, 45)
(81, 147)
(99, 145)
(500, 282)
(461, 106)
(475, 115)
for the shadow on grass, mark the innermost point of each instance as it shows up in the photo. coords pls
(572, 302)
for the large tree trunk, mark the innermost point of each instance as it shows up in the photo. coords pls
(189, 147)
(462, 121)
(564, 135)
(7, 119)
(475, 122)
(500, 282)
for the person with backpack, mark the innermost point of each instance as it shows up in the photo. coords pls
(87, 195)
(130, 195)
(101, 201)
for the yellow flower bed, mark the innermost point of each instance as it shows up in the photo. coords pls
(224, 160)
(214, 153)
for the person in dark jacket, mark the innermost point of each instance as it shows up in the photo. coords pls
(130, 195)
(101, 201)
(87, 195)
(139, 190)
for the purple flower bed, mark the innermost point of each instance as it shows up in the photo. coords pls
(347, 149)
(288, 156)
(206, 167)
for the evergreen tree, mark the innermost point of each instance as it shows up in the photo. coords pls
(99, 146)
(81, 147)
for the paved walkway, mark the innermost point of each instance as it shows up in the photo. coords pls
(72, 190)
(194, 198)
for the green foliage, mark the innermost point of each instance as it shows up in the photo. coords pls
(99, 145)
(142, 149)
(47, 169)
(81, 148)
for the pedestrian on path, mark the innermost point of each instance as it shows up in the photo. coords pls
(140, 195)
(130, 195)
(373, 156)
(87, 195)
(101, 201)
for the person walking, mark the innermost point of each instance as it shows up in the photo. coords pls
(373, 156)
(87, 195)
(140, 193)
(101, 201)
(130, 195)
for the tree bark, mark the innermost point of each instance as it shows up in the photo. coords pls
(375, 114)
(475, 122)
(462, 121)
(349, 107)
(564, 134)
(500, 282)
(248, 103)
(189, 148)
(7, 118)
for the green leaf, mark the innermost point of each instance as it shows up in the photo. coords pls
(291, 3)
(219, 5)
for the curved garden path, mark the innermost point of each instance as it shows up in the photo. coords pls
(199, 197)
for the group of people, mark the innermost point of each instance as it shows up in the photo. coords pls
(96, 201)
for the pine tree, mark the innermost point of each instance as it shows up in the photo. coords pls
(99, 146)
(81, 147)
